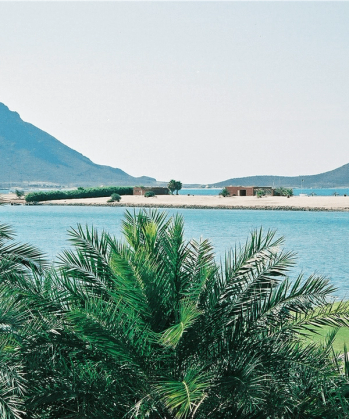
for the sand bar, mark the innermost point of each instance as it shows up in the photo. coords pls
(296, 203)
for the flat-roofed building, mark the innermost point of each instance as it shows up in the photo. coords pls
(158, 190)
(249, 190)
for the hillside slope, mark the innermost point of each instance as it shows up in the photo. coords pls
(333, 179)
(29, 154)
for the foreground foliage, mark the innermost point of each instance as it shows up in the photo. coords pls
(152, 327)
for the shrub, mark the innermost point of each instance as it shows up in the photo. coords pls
(224, 192)
(115, 197)
(19, 193)
(260, 193)
(283, 192)
(149, 194)
(79, 193)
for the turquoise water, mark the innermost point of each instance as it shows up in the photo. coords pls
(321, 239)
(296, 191)
(200, 191)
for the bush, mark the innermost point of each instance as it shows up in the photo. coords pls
(224, 192)
(79, 193)
(115, 197)
(149, 194)
(19, 193)
(283, 192)
(289, 192)
(260, 193)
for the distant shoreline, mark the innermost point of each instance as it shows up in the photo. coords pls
(269, 203)
(259, 208)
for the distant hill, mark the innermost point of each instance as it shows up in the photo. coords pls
(29, 155)
(333, 179)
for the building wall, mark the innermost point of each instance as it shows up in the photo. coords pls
(137, 190)
(248, 190)
(240, 190)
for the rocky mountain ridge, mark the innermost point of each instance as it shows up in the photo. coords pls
(337, 178)
(32, 157)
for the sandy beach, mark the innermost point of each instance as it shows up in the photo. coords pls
(296, 203)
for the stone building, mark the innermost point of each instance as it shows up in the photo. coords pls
(249, 190)
(158, 190)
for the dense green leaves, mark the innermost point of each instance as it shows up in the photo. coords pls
(174, 186)
(79, 193)
(153, 327)
(224, 192)
(283, 192)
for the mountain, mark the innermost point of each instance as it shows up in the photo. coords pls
(30, 156)
(333, 179)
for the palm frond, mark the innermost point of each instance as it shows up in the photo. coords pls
(184, 397)
(188, 313)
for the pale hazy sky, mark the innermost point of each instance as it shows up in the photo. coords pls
(196, 91)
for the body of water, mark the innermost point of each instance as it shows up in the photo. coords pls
(321, 239)
(296, 191)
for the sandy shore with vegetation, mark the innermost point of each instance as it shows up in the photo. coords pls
(296, 203)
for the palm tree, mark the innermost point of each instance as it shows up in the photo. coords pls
(18, 259)
(178, 186)
(18, 262)
(153, 327)
(174, 185)
(171, 186)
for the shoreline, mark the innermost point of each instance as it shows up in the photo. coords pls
(241, 208)
(269, 203)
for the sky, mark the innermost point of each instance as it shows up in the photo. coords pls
(195, 91)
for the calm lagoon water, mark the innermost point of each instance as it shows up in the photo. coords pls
(321, 239)
(296, 191)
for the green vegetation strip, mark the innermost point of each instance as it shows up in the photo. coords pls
(78, 193)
